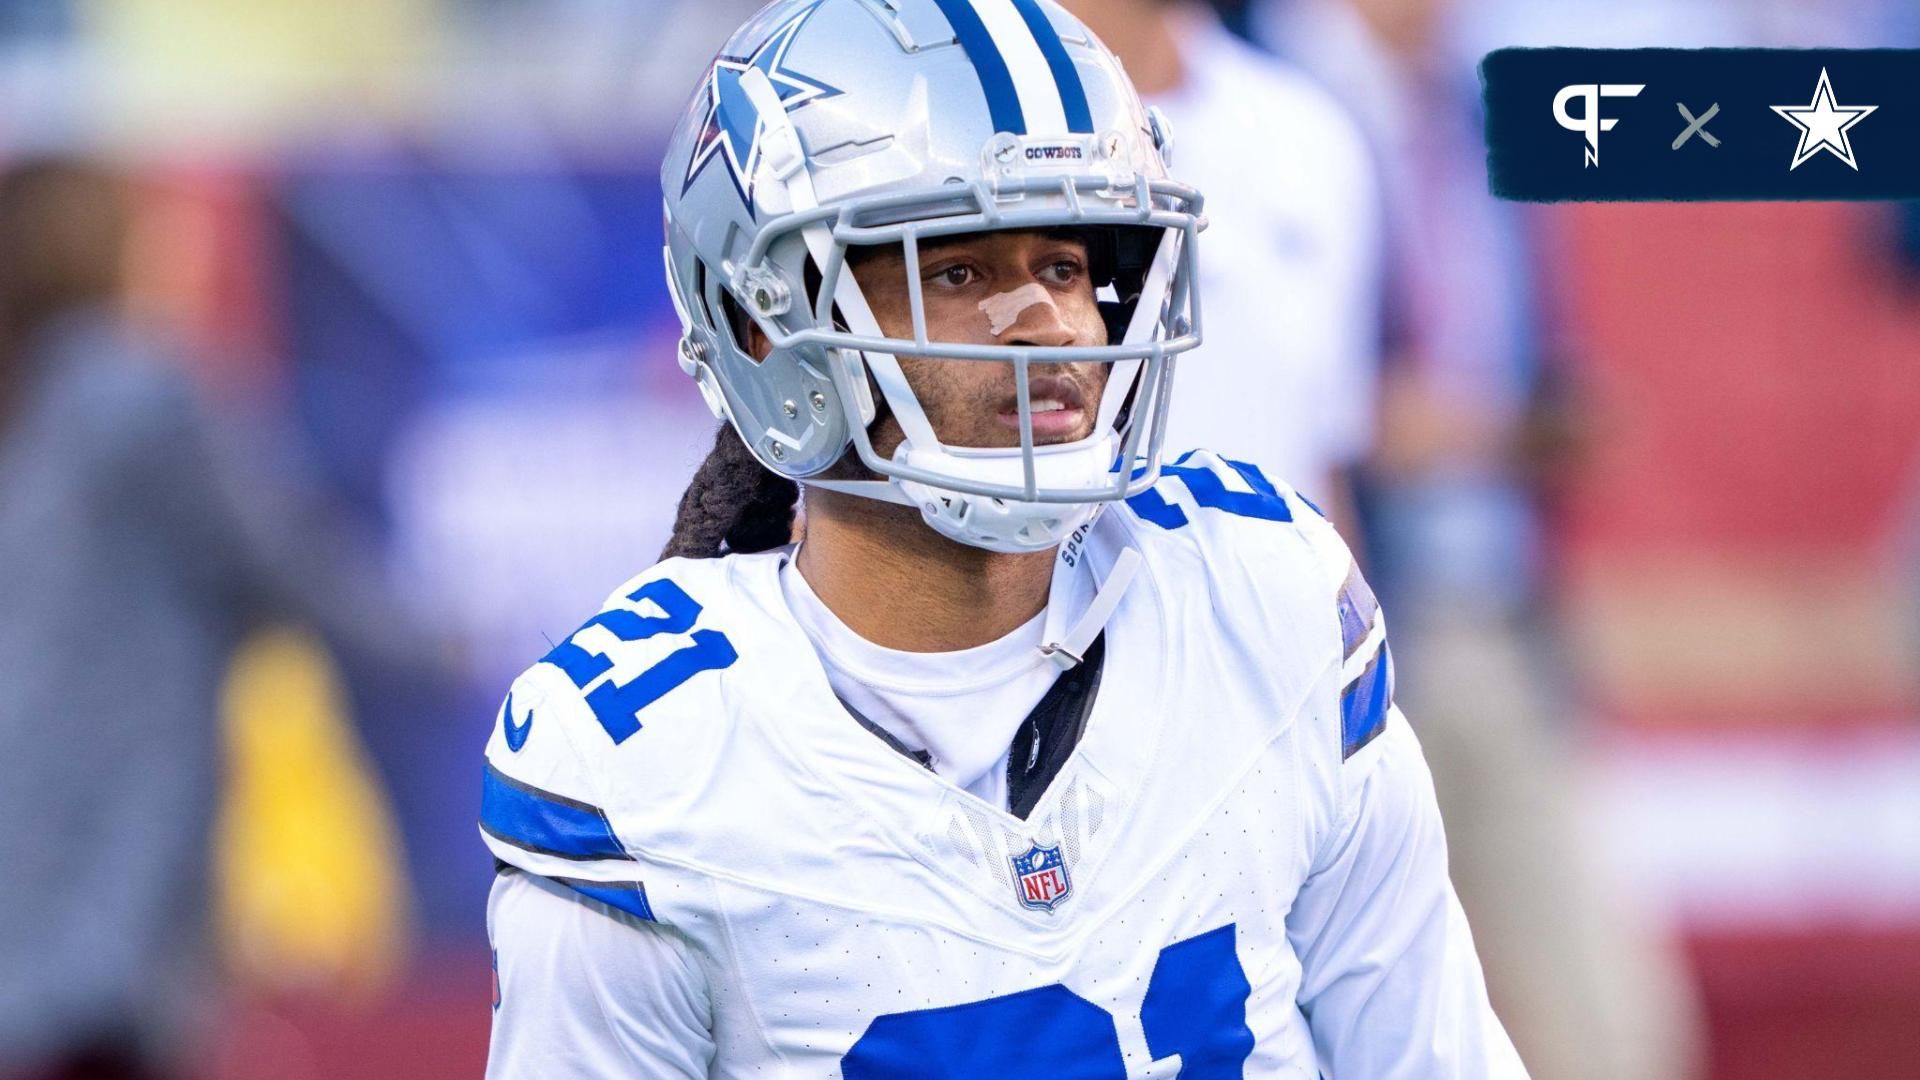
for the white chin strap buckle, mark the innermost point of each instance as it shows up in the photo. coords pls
(1070, 650)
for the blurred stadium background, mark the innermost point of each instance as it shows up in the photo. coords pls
(420, 239)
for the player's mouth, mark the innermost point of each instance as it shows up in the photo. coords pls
(1058, 407)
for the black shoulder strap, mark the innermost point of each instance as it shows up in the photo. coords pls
(1047, 738)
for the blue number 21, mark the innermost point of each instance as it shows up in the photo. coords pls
(1196, 1007)
(617, 705)
(1264, 501)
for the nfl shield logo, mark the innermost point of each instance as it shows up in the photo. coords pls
(1040, 878)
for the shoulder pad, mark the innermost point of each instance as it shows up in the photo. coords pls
(1240, 519)
(1200, 485)
(559, 772)
(1277, 566)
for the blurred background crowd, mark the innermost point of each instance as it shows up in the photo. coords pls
(336, 377)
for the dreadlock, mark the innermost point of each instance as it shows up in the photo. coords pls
(733, 501)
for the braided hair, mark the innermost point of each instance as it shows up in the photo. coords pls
(734, 502)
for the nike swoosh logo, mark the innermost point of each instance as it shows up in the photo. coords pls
(517, 733)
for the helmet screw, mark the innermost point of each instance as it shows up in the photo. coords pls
(790, 409)
(762, 288)
(818, 400)
(776, 451)
(691, 354)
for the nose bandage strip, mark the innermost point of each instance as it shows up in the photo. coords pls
(1003, 309)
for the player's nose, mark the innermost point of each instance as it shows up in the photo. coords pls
(1041, 324)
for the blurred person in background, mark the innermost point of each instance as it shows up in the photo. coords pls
(1473, 427)
(1286, 376)
(138, 543)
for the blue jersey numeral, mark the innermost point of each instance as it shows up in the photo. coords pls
(1049, 1032)
(1196, 1007)
(617, 705)
(1264, 501)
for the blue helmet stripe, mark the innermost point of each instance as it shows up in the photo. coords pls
(1003, 101)
(1073, 93)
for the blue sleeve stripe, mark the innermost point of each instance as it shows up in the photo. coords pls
(1073, 94)
(1358, 610)
(996, 80)
(627, 896)
(1364, 704)
(545, 823)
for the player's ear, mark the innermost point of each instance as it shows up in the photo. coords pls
(752, 340)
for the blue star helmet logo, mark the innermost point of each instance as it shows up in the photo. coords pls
(732, 128)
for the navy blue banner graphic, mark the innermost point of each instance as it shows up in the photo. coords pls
(1695, 124)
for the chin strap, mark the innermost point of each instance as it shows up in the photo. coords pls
(1070, 650)
(884, 490)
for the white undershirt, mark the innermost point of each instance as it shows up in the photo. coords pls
(960, 707)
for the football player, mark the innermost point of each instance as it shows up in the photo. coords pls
(1037, 757)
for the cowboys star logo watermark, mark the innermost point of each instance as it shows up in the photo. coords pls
(732, 128)
(1823, 125)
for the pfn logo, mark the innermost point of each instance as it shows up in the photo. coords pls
(1589, 122)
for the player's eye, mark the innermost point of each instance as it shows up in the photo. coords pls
(1062, 271)
(954, 276)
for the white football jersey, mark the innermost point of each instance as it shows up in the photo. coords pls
(1238, 872)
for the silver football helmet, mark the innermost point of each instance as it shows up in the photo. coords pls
(826, 124)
